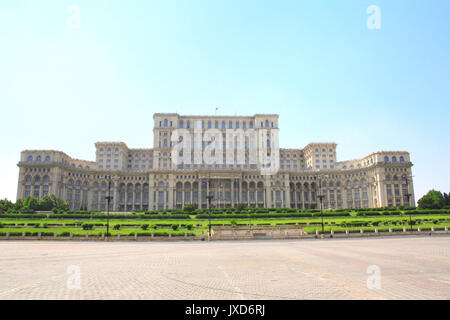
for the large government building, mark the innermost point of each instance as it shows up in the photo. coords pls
(235, 159)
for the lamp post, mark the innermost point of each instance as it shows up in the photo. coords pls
(320, 196)
(108, 199)
(408, 195)
(209, 198)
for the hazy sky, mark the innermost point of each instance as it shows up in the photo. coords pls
(315, 63)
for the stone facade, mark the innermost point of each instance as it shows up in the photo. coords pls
(147, 179)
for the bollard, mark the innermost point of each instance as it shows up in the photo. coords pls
(404, 229)
(418, 229)
(152, 235)
(39, 235)
(346, 232)
(118, 235)
(71, 235)
(135, 236)
(317, 233)
(376, 230)
(7, 235)
(332, 233)
(185, 235)
(103, 235)
(55, 235)
(87, 236)
(361, 231)
(390, 230)
(23, 235)
(170, 235)
(446, 229)
(432, 229)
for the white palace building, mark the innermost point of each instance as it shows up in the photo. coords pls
(235, 159)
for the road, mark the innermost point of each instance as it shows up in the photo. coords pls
(366, 268)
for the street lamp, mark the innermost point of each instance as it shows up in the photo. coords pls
(108, 199)
(320, 196)
(408, 195)
(209, 198)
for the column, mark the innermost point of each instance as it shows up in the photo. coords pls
(232, 193)
(199, 188)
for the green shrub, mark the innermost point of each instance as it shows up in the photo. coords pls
(189, 226)
(189, 208)
(117, 227)
(144, 226)
(88, 226)
(175, 227)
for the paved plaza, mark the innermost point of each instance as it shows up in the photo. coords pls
(384, 268)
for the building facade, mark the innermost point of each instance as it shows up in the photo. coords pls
(235, 159)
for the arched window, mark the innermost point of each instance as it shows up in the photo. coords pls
(386, 159)
(30, 159)
(402, 159)
(28, 178)
(37, 179)
(46, 179)
(188, 124)
(47, 159)
(38, 159)
(165, 143)
(181, 124)
(267, 123)
(268, 143)
(394, 159)
(165, 122)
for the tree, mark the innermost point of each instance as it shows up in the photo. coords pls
(19, 205)
(446, 199)
(432, 200)
(30, 203)
(6, 205)
(47, 203)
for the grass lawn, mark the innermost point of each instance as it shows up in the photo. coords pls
(200, 226)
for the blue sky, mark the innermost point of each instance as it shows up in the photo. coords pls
(315, 63)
